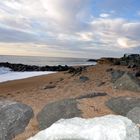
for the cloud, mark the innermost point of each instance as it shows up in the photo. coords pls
(128, 43)
(104, 15)
(67, 27)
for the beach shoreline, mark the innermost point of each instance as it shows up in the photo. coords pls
(41, 90)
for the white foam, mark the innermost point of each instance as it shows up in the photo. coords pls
(110, 127)
(4, 70)
(7, 75)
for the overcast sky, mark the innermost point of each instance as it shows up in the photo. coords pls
(69, 28)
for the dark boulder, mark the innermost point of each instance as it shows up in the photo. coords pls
(14, 117)
(57, 110)
(92, 60)
(137, 74)
(122, 105)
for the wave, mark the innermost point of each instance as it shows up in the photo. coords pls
(4, 70)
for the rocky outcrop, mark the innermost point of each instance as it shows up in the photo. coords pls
(108, 60)
(14, 117)
(122, 105)
(108, 127)
(127, 82)
(129, 60)
(92, 60)
(57, 110)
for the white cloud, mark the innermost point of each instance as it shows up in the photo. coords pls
(127, 42)
(65, 25)
(104, 15)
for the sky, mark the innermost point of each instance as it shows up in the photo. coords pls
(69, 28)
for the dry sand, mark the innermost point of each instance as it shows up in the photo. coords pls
(32, 92)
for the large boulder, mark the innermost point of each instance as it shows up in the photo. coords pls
(14, 117)
(122, 105)
(134, 115)
(128, 82)
(108, 127)
(55, 111)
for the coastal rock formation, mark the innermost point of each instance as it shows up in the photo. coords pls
(22, 67)
(108, 127)
(122, 105)
(128, 82)
(14, 117)
(134, 115)
(109, 60)
(54, 111)
(129, 60)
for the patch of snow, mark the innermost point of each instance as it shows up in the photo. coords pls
(110, 127)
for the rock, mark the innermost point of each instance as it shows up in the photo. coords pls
(54, 111)
(108, 60)
(92, 60)
(83, 78)
(22, 67)
(99, 83)
(77, 71)
(49, 87)
(134, 115)
(108, 127)
(91, 95)
(109, 70)
(128, 82)
(130, 60)
(137, 74)
(122, 105)
(116, 74)
(14, 117)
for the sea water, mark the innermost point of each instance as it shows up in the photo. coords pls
(7, 75)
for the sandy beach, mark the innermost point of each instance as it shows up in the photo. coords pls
(41, 90)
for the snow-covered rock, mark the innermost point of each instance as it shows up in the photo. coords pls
(110, 127)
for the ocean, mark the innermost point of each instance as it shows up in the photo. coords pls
(42, 61)
(7, 75)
